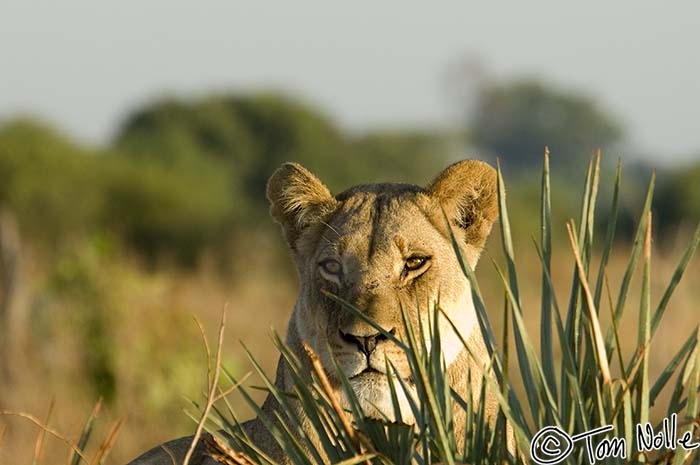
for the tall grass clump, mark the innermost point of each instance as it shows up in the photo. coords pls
(578, 382)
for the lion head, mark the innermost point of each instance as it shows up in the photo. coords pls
(382, 247)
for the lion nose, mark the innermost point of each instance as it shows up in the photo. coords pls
(366, 344)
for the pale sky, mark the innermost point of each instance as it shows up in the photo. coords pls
(83, 64)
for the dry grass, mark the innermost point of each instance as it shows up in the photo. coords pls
(158, 359)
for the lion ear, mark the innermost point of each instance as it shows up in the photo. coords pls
(467, 191)
(298, 199)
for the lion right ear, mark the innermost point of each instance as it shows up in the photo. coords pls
(467, 191)
(298, 199)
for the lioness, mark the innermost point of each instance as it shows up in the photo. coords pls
(379, 247)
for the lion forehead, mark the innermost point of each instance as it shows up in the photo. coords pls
(379, 221)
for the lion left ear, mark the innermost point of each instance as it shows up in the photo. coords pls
(467, 191)
(298, 199)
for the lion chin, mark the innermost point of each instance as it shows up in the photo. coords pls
(373, 392)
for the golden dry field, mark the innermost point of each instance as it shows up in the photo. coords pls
(158, 357)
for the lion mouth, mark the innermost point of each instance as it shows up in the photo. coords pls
(373, 372)
(366, 371)
(373, 390)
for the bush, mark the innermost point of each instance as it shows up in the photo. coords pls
(515, 120)
(247, 136)
(175, 211)
(402, 155)
(679, 199)
(64, 194)
(51, 184)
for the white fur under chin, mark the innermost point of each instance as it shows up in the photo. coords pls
(463, 316)
(372, 388)
(372, 391)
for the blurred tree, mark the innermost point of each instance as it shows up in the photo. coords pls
(176, 211)
(170, 130)
(516, 120)
(678, 199)
(287, 130)
(13, 315)
(49, 183)
(75, 282)
(185, 177)
(248, 135)
(63, 194)
(403, 156)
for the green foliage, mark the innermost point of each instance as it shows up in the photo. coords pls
(248, 136)
(592, 386)
(516, 120)
(63, 195)
(74, 283)
(185, 177)
(400, 156)
(51, 184)
(679, 199)
(177, 210)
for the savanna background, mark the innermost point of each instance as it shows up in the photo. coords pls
(136, 140)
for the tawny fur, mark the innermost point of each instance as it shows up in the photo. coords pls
(370, 231)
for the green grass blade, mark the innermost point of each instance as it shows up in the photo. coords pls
(691, 409)
(479, 305)
(546, 342)
(86, 432)
(359, 314)
(284, 442)
(520, 431)
(644, 335)
(571, 398)
(515, 405)
(688, 346)
(443, 439)
(675, 279)
(285, 403)
(677, 402)
(632, 263)
(573, 316)
(513, 290)
(318, 412)
(533, 376)
(629, 422)
(585, 246)
(506, 239)
(590, 218)
(585, 200)
(393, 391)
(609, 235)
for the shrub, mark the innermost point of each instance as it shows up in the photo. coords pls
(51, 184)
(679, 199)
(248, 136)
(175, 211)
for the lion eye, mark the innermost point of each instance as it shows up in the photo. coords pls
(415, 263)
(331, 266)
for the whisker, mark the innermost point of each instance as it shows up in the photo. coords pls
(331, 228)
